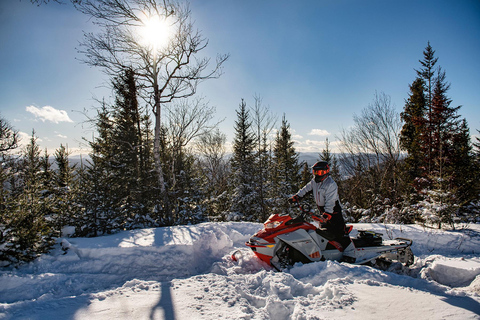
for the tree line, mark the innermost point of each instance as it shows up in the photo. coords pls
(158, 158)
(416, 166)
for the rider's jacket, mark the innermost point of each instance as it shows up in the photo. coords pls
(325, 193)
(326, 197)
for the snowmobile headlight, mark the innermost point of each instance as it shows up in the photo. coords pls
(272, 224)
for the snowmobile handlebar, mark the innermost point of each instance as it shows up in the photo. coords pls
(306, 213)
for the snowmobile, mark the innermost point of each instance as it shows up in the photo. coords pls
(292, 237)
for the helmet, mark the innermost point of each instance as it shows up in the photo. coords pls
(320, 170)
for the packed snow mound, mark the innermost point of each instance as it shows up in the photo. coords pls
(452, 272)
(185, 272)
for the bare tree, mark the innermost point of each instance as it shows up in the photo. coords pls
(8, 136)
(166, 71)
(372, 145)
(213, 164)
(185, 121)
(263, 122)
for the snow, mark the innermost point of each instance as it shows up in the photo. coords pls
(185, 272)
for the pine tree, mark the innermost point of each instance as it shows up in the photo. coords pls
(287, 168)
(27, 234)
(306, 174)
(414, 126)
(332, 161)
(131, 156)
(451, 150)
(121, 164)
(8, 196)
(101, 213)
(437, 141)
(476, 166)
(92, 187)
(427, 73)
(243, 196)
(66, 209)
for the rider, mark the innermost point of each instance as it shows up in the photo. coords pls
(325, 192)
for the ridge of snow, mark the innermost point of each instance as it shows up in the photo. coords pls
(185, 272)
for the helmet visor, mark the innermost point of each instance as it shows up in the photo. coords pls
(319, 172)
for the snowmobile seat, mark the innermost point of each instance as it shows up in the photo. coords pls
(344, 240)
(367, 239)
(326, 234)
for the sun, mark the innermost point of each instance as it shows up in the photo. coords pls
(156, 32)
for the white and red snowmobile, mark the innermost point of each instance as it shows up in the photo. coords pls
(293, 237)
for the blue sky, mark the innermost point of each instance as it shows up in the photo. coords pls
(317, 62)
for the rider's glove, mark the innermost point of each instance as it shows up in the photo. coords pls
(327, 216)
(293, 199)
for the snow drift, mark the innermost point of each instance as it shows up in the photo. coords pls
(185, 272)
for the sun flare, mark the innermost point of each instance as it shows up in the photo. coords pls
(156, 32)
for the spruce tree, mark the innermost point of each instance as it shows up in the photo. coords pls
(243, 197)
(122, 156)
(414, 120)
(427, 73)
(452, 147)
(306, 174)
(332, 161)
(127, 135)
(287, 168)
(437, 141)
(27, 234)
(101, 206)
(66, 208)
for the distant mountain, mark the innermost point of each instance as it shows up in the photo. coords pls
(309, 157)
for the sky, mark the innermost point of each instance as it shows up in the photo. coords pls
(317, 62)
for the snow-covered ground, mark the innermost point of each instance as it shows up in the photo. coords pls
(185, 272)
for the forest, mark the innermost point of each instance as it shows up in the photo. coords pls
(158, 158)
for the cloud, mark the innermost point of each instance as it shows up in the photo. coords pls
(58, 134)
(317, 146)
(294, 134)
(48, 113)
(319, 132)
(296, 137)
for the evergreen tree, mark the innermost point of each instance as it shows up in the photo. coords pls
(8, 197)
(476, 166)
(285, 159)
(451, 148)
(243, 196)
(93, 201)
(414, 126)
(131, 156)
(101, 206)
(437, 141)
(65, 206)
(121, 164)
(332, 161)
(27, 233)
(306, 174)
(427, 73)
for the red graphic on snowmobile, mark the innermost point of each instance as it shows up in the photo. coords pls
(294, 237)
